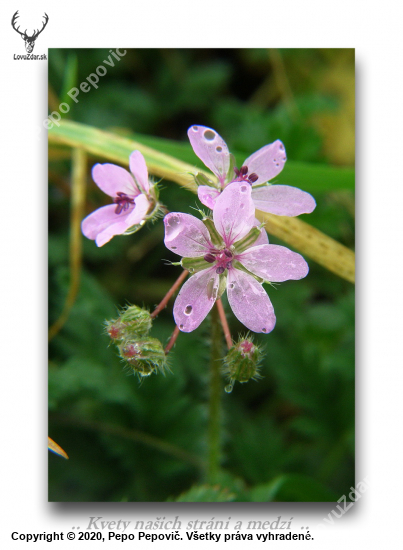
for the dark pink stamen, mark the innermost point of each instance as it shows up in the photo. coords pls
(123, 202)
(209, 258)
(242, 175)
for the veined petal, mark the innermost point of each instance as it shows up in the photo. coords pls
(140, 210)
(274, 263)
(249, 302)
(195, 299)
(211, 149)
(186, 235)
(267, 162)
(283, 200)
(207, 195)
(104, 223)
(112, 179)
(139, 170)
(234, 212)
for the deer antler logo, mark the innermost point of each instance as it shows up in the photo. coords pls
(29, 40)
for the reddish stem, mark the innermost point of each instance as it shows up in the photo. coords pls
(224, 323)
(172, 340)
(166, 298)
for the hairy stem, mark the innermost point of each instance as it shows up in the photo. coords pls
(224, 323)
(172, 340)
(168, 295)
(214, 428)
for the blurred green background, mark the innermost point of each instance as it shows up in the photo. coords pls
(286, 437)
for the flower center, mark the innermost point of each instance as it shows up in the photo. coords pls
(242, 175)
(122, 202)
(221, 258)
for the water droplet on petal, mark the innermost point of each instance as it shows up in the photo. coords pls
(209, 135)
(244, 189)
(231, 285)
(195, 128)
(241, 206)
(181, 327)
(188, 310)
(218, 149)
(264, 329)
(229, 388)
(173, 247)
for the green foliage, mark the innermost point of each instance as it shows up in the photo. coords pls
(286, 437)
(204, 493)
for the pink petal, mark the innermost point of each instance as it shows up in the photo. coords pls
(234, 212)
(112, 179)
(283, 200)
(249, 302)
(186, 235)
(267, 162)
(274, 263)
(105, 221)
(140, 210)
(207, 195)
(211, 149)
(139, 170)
(195, 299)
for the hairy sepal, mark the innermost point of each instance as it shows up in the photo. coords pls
(193, 265)
(215, 237)
(202, 179)
(248, 240)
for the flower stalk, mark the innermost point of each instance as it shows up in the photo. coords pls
(172, 340)
(224, 323)
(214, 427)
(168, 295)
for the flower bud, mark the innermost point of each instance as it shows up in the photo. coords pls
(144, 356)
(242, 362)
(132, 321)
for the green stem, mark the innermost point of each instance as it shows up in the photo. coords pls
(214, 428)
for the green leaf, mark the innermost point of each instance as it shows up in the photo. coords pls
(206, 493)
(69, 79)
(293, 488)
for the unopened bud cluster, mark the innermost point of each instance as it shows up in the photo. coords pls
(142, 353)
(242, 362)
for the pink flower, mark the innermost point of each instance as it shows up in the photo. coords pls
(133, 198)
(259, 168)
(223, 257)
